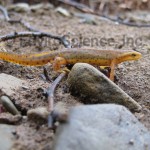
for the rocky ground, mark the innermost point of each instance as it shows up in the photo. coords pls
(131, 77)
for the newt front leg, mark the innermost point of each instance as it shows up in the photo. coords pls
(58, 62)
(112, 72)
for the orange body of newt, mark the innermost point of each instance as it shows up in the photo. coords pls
(71, 56)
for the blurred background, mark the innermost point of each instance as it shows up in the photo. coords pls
(126, 10)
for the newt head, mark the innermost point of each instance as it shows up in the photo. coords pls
(128, 56)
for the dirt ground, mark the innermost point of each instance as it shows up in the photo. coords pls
(132, 77)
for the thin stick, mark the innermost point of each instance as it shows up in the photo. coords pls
(36, 34)
(77, 5)
(7, 18)
(51, 90)
(45, 72)
(5, 13)
(27, 26)
(50, 93)
(126, 23)
(62, 39)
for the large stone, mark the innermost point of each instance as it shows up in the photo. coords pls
(10, 84)
(6, 137)
(94, 87)
(102, 127)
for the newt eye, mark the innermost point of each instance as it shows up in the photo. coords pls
(133, 55)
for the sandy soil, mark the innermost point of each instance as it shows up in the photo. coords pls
(132, 77)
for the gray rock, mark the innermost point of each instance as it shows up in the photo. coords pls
(102, 127)
(6, 137)
(38, 115)
(94, 87)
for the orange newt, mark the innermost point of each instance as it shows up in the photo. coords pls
(74, 55)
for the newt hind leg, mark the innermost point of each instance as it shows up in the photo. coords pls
(57, 64)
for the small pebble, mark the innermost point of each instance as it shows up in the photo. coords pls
(25, 87)
(38, 115)
(131, 142)
(63, 11)
(88, 21)
(8, 105)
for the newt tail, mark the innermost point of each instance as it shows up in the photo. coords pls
(71, 56)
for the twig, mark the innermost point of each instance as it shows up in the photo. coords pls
(5, 13)
(35, 34)
(24, 24)
(51, 90)
(50, 93)
(27, 26)
(6, 16)
(77, 5)
(45, 72)
(126, 23)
